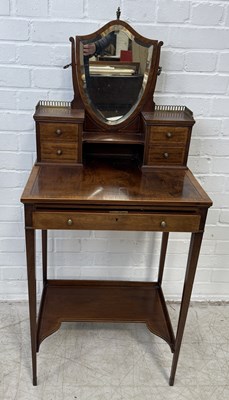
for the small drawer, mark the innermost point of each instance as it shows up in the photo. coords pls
(58, 132)
(126, 221)
(168, 134)
(59, 152)
(159, 155)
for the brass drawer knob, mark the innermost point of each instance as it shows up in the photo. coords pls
(69, 222)
(59, 152)
(166, 155)
(163, 224)
(169, 135)
(58, 132)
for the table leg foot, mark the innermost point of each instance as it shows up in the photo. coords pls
(171, 381)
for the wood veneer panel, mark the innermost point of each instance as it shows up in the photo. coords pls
(114, 184)
(59, 152)
(127, 221)
(166, 155)
(63, 114)
(104, 301)
(103, 137)
(169, 135)
(58, 131)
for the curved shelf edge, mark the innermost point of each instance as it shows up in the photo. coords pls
(170, 342)
(41, 338)
(104, 301)
(57, 324)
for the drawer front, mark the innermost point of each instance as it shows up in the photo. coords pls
(165, 155)
(58, 132)
(168, 134)
(59, 152)
(116, 221)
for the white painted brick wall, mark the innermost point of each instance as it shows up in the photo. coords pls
(207, 13)
(71, 9)
(195, 59)
(5, 7)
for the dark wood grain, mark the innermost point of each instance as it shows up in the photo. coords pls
(116, 220)
(103, 301)
(165, 154)
(59, 152)
(108, 183)
(110, 191)
(168, 134)
(111, 195)
(113, 138)
(58, 131)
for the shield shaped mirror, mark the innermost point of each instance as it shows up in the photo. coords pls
(116, 69)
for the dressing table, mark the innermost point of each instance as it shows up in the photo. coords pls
(112, 160)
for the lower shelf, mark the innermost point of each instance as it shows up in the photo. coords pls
(103, 301)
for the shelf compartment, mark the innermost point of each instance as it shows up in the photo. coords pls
(113, 138)
(103, 301)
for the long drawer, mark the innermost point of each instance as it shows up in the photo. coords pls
(123, 221)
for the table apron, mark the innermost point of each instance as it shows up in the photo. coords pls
(126, 221)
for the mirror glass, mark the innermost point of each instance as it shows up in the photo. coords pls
(114, 69)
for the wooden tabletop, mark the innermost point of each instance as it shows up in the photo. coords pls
(109, 183)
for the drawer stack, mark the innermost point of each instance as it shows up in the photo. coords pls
(59, 142)
(58, 133)
(167, 144)
(165, 134)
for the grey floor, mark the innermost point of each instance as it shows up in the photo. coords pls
(116, 361)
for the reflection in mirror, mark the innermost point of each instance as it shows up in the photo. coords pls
(114, 71)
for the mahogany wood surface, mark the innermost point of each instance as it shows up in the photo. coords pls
(130, 176)
(130, 127)
(111, 194)
(169, 115)
(58, 131)
(170, 134)
(164, 154)
(117, 138)
(63, 113)
(153, 132)
(95, 174)
(116, 220)
(59, 152)
(103, 301)
(108, 183)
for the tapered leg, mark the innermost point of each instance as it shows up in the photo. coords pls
(31, 272)
(194, 251)
(44, 255)
(164, 243)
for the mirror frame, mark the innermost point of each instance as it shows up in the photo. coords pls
(146, 102)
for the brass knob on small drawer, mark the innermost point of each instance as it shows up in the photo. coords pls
(58, 132)
(69, 222)
(166, 155)
(169, 135)
(59, 152)
(163, 224)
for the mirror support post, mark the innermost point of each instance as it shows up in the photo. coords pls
(77, 101)
(150, 105)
